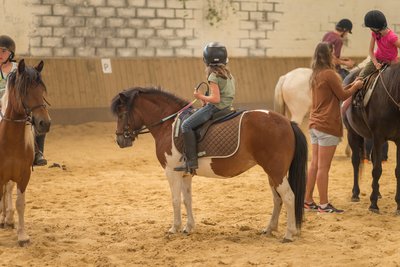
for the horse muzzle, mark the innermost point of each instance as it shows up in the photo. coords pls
(42, 126)
(123, 142)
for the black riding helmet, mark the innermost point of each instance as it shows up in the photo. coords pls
(9, 44)
(214, 54)
(375, 19)
(344, 25)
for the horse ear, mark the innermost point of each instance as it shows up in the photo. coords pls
(21, 66)
(123, 98)
(39, 66)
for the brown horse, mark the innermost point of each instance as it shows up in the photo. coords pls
(378, 120)
(266, 138)
(25, 109)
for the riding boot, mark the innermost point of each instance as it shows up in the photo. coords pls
(190, 144)
(39, 149)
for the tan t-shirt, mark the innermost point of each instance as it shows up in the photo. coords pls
(326, 96)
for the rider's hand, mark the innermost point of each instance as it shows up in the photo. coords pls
(378, 65)
(349, 63)
(197, 94)
(358, 84)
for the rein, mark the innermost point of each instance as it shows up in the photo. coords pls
(127, 133)
(132, 134)
(387, 92)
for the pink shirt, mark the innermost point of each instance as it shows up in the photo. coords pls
(387, 50)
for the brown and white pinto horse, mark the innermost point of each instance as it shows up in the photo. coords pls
(25, 108)
(266, 138)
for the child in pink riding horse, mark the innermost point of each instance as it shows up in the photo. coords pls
(386, 40)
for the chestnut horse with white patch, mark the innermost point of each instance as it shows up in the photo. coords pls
(266, 138)
(25, 108)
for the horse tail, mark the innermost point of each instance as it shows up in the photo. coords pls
(298, 172)
(279, 104)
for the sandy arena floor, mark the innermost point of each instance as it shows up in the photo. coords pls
(112, 207)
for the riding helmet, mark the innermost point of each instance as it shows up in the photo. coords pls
(344, 25)
(375, 19)
(215, 54)
(8, 43)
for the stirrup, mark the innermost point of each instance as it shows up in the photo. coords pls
(185, 168)
(181, 168)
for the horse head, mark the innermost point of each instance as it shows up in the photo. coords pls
(26, 96)
(128, 127)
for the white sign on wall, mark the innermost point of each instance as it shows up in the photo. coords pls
(106, 65)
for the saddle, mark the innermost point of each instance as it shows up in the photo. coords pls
(218, 137)
(363, 96)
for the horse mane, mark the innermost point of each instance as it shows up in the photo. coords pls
(19, 83)
(131, 93)
(392, 81)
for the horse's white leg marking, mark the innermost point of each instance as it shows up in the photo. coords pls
(9, 213)
(273, 224)
(175, 185)
(187, 200)
(287, 196)
(23, 238)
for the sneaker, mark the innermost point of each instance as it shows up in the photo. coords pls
(329, 209)
(310, 206)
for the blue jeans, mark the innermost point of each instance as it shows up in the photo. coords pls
(198, 118)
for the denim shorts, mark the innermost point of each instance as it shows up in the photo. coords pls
(323, 139)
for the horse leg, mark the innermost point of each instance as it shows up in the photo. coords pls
(273, 223)
(356, 143)
(397, 172)
(175, 185)
(23, 238)
(287, 195)
(9, 212)
(187, 200)
(376, 174)
(7, 209)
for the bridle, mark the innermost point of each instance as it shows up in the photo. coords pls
(28, 113)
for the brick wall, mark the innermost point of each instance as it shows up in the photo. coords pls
(181, 28)
(148, 28)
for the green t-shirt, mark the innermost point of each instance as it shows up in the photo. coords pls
(226, 90)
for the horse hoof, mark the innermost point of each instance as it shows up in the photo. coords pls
(185, 232)
(374, 210)
(23, 243)
(286, 240)
(355, 199)
(267, 232)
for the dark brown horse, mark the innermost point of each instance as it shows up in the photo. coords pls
(266, 138)
(379, 120)
(25, 109)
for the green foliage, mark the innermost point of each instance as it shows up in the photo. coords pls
(217, 10)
